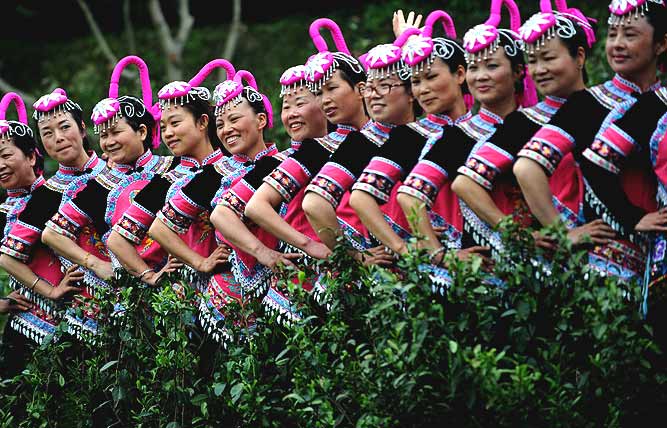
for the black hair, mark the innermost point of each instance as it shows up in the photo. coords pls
(140, 116)
(198, 107)
(28, 145)
(77, 115)
(350, 69)
(256, 102)
(417, 109)
(656, 15)
(516, 57)
(579, 40)
(451, 53)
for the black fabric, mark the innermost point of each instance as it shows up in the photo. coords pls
(43, 204)
(581, 116)
(262, 168)
(92, 200)
(515, 131)
(403, 147)
(153, 195)
(312, 155)
(202, 188)
(3, 219)
(641, 119)
(355, 153)
(451, 150)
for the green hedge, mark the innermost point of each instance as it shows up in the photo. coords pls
(552, 347)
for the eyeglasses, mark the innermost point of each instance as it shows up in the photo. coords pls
(381, 89)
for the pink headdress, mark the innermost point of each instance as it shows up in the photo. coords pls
(230, 93)
(547, 24)
(623, 11)
(483, 40)
(179, 92)
(420, 50)
(54, 103)
(110, 110)
(385, 60)
(10, 128)
(322, 65)
(292, 79)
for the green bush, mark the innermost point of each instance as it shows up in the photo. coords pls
(554, 346)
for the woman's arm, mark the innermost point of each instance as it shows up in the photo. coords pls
(30, 280)
(414, 207)
(478, 199)
(261, 210)
(235, 231)
(174, 245)
(534, 184)
(77, 255)
(322, 218)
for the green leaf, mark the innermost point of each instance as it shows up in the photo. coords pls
(173, 424)
(453, 346)
(219, 388)
(107, 365)
(236, 392)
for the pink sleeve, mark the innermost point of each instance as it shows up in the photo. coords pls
(134, 223)
(288, 178)
(424, 182)
(548, 146)
(485, 164)
(332, 182)
(69, 220)
(379, 178)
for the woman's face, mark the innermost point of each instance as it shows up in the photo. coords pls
(388, 100)
(122, 144)
(62, 138)
(554, 70)
(16, 169)
(240, 129)
(339, 101)
(630, 48)
(181, 133)
(491, 80)
(302, 116)
(437, 89)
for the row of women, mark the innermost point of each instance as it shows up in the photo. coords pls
(374, 140)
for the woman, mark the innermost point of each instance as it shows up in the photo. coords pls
(125, 125)
(438, 84)
(390, 103)
(302, 118)
(35, 266)
(186, 123)
(20, 175)
(495, 71)
(610, 210)
(241, 115)
(557, 45)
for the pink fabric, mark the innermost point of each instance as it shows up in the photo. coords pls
(446, 205)
(338, 175)
(184, 205)
(296, 217)
(384, 167)
(496, 158)
(556, 137)
(139, 215)
(660, 167)
(567, 184)
(615, 136)
(201, 236)
(295, 170)
(640, 187)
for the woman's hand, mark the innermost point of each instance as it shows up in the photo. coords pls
(316, 250)
(102, 269)
(70, 284)
(152, 278)
(653, 222)
(380, 255)
(219, 256)
(14, 302)
(400, 23)
(597, 230)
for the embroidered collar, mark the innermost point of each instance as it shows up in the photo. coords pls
(294, 145)
(139, 163)
(270, 150)
(23, 191)
(630, 87)
(489, 117)
(555, 102)
(91, 163)
(380, 127)
(189, 162)
(345, 129)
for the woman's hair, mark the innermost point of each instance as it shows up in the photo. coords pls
(350, 69)
(579, 40)
(516, 57)
(417, 109)
(255, 100)
(28, 146)
(137, 118)
(450, 52)
(656, 15)
(198, 107)
(77, 115)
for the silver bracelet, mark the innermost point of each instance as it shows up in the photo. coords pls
(141, 275)
(32, 287)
